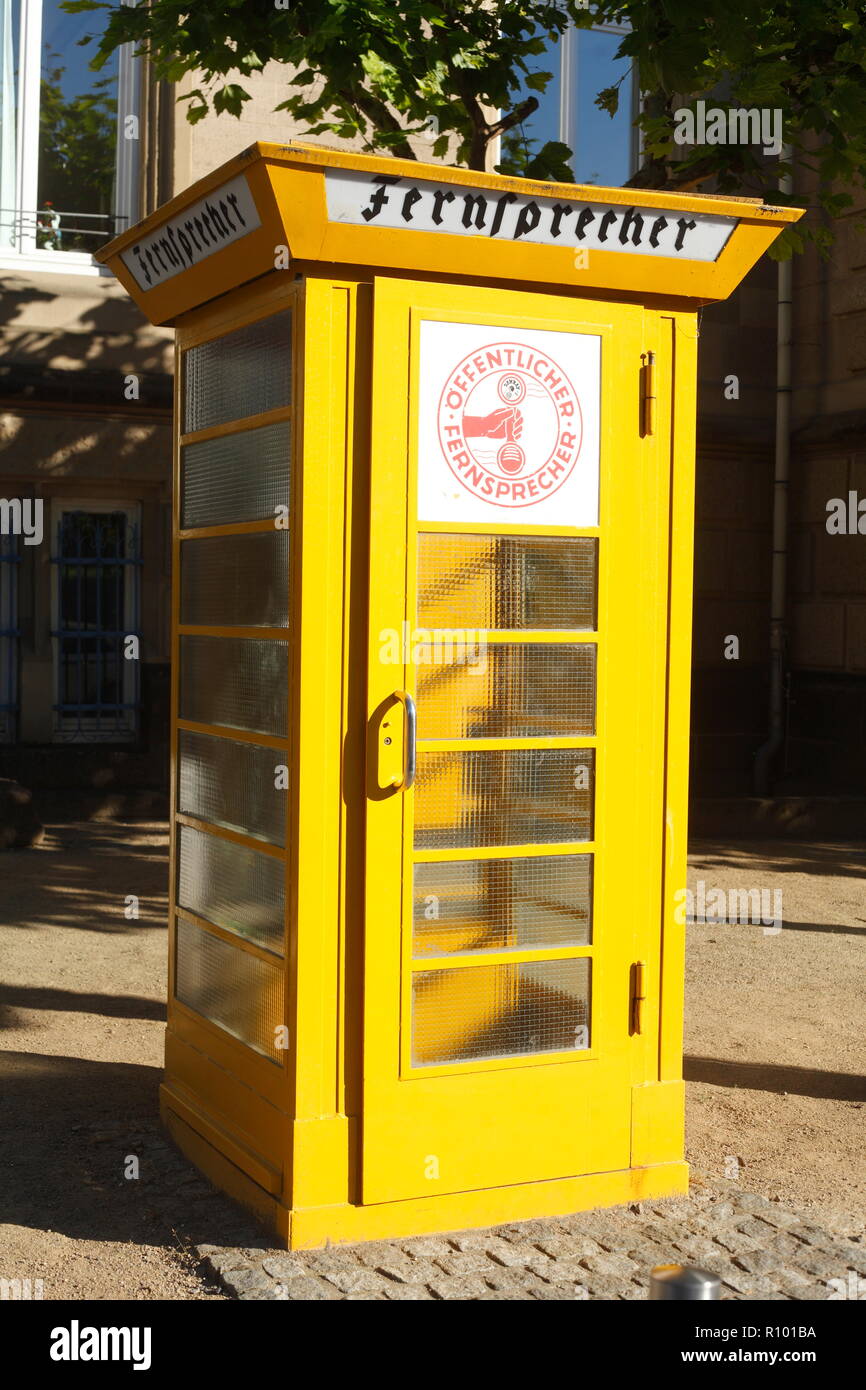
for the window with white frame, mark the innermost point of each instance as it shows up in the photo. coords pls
(10, 560)
(68, 136)
(95, 612)
(583, 63)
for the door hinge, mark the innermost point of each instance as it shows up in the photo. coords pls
(638, 996)
(648, 393)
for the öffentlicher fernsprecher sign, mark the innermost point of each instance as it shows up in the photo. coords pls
(224, 216)
(386, 200)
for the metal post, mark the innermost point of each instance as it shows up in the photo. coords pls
(683, 1282)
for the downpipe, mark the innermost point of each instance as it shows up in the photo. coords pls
(767, 753)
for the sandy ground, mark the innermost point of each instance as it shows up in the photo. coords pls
(774, 1056)
(82, 1017)
(774, 1043)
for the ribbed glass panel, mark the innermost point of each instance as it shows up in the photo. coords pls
(505, 690)
(235, 581)
(517, 582)
(489, 1011)
(237, 991)
(237, 477)
(485, 797)
(231, 784)
(242, 373)
(502, 904)
(239, 682)
(233, 886)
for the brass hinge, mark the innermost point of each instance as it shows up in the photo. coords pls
(648, 393)
(638, 995)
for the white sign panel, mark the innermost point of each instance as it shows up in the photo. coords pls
(508, 425)
(224, 216)
(385, 200)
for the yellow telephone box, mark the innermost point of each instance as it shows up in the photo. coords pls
(431, 640)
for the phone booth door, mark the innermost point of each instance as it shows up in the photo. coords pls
(518, 592)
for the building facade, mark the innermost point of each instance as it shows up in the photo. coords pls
(85, 454)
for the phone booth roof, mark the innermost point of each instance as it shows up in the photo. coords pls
(397, 215)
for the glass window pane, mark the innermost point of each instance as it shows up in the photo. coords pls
(503, 797)
(235, 581)
(542, 124)
(502, 904)
(602, 144)
(231, 784)
(231, 885)
(506, 581)
(499, 690)
(77, 135)
(237, 477)
(243, 373)
(239, 682)
(237, 991)
(489, 1011)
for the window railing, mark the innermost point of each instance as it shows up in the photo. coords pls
(97, 613)
(53, 229)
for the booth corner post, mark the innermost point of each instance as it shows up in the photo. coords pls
(431, 627)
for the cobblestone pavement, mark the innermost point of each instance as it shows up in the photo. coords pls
(759, 1249)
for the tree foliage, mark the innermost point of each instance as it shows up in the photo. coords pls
(383, 70)
(373, 69)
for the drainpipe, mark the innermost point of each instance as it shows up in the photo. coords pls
(778, 587)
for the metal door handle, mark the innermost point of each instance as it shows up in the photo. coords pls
(410, 725)
(639, 996)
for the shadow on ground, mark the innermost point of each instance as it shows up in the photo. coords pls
(82, 876)
(68, 1130)
(762, 1076)
(841, 859)
(14, 997)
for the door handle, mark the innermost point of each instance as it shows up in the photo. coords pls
(638, 996)
(410, 725)
(648, 394)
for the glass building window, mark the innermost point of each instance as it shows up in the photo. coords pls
(583, 62)
(68, 136)
(95, 602)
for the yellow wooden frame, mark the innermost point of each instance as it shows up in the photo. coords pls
(309, 1164)
(393, 559)
(287, 184)
(289, 1139)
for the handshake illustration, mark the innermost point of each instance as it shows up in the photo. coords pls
(506, 423)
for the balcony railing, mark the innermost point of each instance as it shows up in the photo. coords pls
(53, 229)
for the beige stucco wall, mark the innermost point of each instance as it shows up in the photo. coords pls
(215, 139)
(78, 323)
(78, 338)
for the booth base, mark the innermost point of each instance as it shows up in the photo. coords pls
(314, 1227)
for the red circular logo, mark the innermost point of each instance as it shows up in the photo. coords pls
(510, 424)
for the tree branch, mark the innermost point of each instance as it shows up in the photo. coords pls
(380, 117)
(514, 117)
